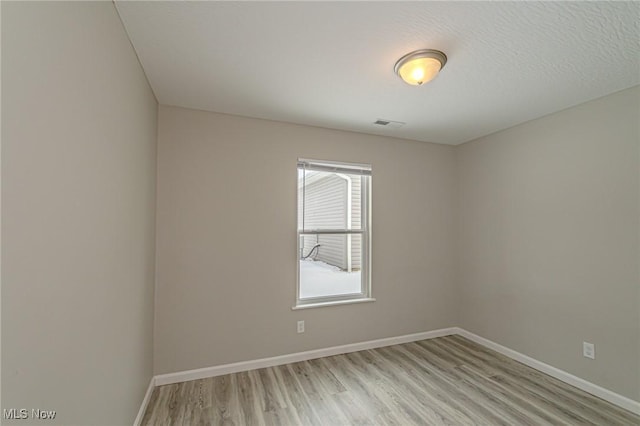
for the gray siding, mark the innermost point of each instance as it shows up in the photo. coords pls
(356, 240)
(326, 203)
(326, 206)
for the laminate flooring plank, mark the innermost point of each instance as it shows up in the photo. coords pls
(271, 397)
(446, 413)
(296, 397)
(204, 417)
(388, 400)
(153, 408)
(532, 407)
(508, 404)
(435, 410)
(407, 407)
(463, 357)
(350, 410)
(187, 410)
(459, 395)
(281, 417)
(302, 374)
(249, 403)
(524, 401)
(593, 409)
(467, 350)
(327, 380)
(322, 405)
(447, 387)
(560, 415)
(198, 397)
(358, 386)
(426, 377)
(225, 400)
(174, 403)
(444, 381)
(531, 402)
(344, 407)
(577, 408)
(289, 412)
(324, 401)
(590, 408)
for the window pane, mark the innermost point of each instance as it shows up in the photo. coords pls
(330, 265)
(328, 200)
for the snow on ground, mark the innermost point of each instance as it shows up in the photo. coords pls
(321, 279)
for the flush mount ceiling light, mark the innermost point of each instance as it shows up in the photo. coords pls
(421, 66)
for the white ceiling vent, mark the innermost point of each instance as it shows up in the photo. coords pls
(388, 123)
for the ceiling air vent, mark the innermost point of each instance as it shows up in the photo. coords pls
(388, 123)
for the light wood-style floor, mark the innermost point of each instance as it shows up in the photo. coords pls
(448, 380)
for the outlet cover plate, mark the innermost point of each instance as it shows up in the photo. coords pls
(588, 350)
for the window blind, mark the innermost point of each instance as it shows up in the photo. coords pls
(334, 167)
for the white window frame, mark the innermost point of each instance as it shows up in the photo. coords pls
(364, 170)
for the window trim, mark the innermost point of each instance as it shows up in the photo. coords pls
(365, 295)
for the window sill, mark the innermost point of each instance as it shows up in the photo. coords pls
(332, 303)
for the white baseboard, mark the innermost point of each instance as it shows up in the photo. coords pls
(599, 391)
(219, 370)
(145, 402)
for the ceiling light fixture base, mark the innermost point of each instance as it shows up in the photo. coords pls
(420, 66)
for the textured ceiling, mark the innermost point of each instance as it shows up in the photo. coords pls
(330, 64)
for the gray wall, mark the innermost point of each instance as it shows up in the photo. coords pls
(545, 219)
(78, 188)
(548, 247)
(226, 239)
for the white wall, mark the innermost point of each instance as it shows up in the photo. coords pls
(226, 239)
(548, 243)
(78, 205)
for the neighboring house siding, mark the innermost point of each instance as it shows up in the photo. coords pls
(333, 250)
(326, 207)
(356, 246)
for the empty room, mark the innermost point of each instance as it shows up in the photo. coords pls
(320, 213)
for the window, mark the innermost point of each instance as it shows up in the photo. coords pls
(334, 233)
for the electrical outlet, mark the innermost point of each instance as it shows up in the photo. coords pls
(300, 326)
(588, 350)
